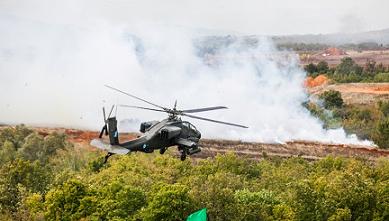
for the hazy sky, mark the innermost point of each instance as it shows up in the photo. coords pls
(242, 16)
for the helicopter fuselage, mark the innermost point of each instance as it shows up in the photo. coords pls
(161, 135)
(157, 135)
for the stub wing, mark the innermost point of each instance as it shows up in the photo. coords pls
(108, 147)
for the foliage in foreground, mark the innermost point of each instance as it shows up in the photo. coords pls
(154, 187)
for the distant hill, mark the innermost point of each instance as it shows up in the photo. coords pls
(379, 37)
(371, 40)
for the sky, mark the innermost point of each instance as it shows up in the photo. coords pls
(262, 17)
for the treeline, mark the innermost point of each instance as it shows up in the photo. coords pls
(313, 47)
(366, 122)
(348, 71)
(72, 184)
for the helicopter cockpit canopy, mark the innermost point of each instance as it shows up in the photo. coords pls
(189, 125)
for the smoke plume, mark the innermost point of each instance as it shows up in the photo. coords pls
(53, 75)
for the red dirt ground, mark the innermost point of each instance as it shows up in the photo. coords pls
(309, 150)
(356, 93)
(305, 149)
(311, 82)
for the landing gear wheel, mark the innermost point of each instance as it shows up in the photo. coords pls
(183, 157)
(162, 150)
(107, 156)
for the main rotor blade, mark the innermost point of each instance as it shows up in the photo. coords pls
(109, 115)
(105, 119)
(133, 96)
(144, 108)
(204, 109)
(215, 121)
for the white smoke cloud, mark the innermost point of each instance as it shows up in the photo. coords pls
(54, 75)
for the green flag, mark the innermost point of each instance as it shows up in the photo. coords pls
(200, 215)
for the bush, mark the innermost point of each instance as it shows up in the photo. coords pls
(348, 66)
(18, 175)
(381, 136)
(381, 77)
(359, 121)
(170, 202)
(63, 203)
(322, 67)
(24, 143)
(311, 69)
(15, 135)
(383, 106)
(231, 187)
(332, 99)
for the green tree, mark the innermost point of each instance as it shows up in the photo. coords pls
(381, 77)
(383, 106)
(15, 135)
(332, 99)
(311, 68)
(119, 201)
(35, 147)
(348, 66)
(170, 202)
(359, 121)
(381, 136)
(63, 202)
(217, 193)
(322, 67)
(382, 210)
(54, 142)
(7, 152)
(21, 174)
(321, 196)
(370, 67)
(32, 148)
(262, 205)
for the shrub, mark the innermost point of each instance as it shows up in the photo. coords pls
(63, 203)
(18, 175)
(322, 67)
(171, 202)
(311, 69)
(359, 121)
(348, 66)
(383, 106)
(381, 77)
(332, 99)
(381, 136)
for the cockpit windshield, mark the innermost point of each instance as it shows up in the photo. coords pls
(191, 126)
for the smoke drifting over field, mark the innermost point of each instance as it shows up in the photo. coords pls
(54, 75)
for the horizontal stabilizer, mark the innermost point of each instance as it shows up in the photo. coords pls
(108, 147)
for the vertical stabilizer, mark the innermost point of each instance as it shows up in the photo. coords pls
(113, 131)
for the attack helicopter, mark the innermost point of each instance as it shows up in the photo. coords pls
(172, 131)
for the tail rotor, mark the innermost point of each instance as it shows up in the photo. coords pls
(104, 130)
